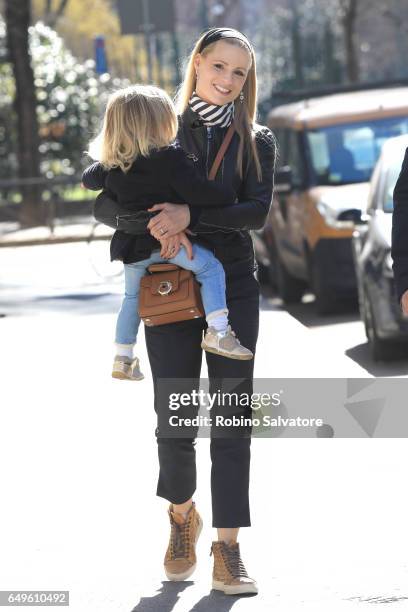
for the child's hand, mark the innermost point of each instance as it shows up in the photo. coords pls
(187, 245)
(170, 246)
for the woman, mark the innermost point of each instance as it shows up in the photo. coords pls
(219, 86)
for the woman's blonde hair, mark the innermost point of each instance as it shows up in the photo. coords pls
(244, 113)
(138, 119)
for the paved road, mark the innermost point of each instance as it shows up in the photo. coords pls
(78, 510)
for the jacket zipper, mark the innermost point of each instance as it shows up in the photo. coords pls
(209, 136)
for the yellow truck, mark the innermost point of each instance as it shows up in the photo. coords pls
(328, 146)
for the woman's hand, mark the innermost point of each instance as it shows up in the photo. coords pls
(172, 219)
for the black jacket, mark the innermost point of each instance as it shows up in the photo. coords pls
(225, 230)
(166, 175)
(399, 243)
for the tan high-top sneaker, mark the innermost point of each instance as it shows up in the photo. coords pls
(180, 560)
(229, 573)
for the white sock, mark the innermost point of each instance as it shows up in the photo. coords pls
(124, 350)
(218, 320)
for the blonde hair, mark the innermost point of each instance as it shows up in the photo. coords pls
(138, 119)
(245, 112)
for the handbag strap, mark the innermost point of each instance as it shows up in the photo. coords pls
(221, 152)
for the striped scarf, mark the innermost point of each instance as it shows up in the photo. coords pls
(210, 113)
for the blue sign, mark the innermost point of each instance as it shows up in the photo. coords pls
(100, 55)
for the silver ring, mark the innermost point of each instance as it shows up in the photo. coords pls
(161, 230)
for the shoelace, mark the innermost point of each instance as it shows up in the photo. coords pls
(231, 339)
(233, 561)
(230, 331)
(180, 539)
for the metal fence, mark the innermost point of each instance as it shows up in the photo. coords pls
(65, 219)
(52, 194)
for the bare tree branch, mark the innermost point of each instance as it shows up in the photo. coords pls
(51, 16)
(61, 9)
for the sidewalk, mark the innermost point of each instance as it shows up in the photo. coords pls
(80, 511)
(74, 229)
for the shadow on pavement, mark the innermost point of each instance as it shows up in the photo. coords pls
(168, 597)
(85, 303)
(164, 600)
(305, 312)
(218, 602)
(361, 355)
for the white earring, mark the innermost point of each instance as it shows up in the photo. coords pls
(241, 97)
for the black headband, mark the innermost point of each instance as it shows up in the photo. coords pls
(219, 33)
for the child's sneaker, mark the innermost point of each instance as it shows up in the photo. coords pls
(225, 344)
(126, 369)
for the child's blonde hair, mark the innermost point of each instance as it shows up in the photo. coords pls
(138, 119)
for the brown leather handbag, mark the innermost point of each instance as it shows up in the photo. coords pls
(169, 294)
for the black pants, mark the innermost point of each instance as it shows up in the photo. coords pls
(175, 353)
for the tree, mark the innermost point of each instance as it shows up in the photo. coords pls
(51, 14)
(399, 22)
(297, 45)
(78, 24)
(17, 22)
(70, 99)
(203, 14)
(221, 11)
(348, 16)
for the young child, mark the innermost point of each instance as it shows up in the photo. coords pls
(140, 164)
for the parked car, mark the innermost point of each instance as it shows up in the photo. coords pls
(385, 326)
(328, 147)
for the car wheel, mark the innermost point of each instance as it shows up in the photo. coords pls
(381, 350)
(290, 289)
(325, 303)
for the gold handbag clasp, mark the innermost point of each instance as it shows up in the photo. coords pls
(164, 288)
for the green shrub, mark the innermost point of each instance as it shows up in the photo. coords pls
(71, 99)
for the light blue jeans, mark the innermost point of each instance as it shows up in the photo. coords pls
(209, 273)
